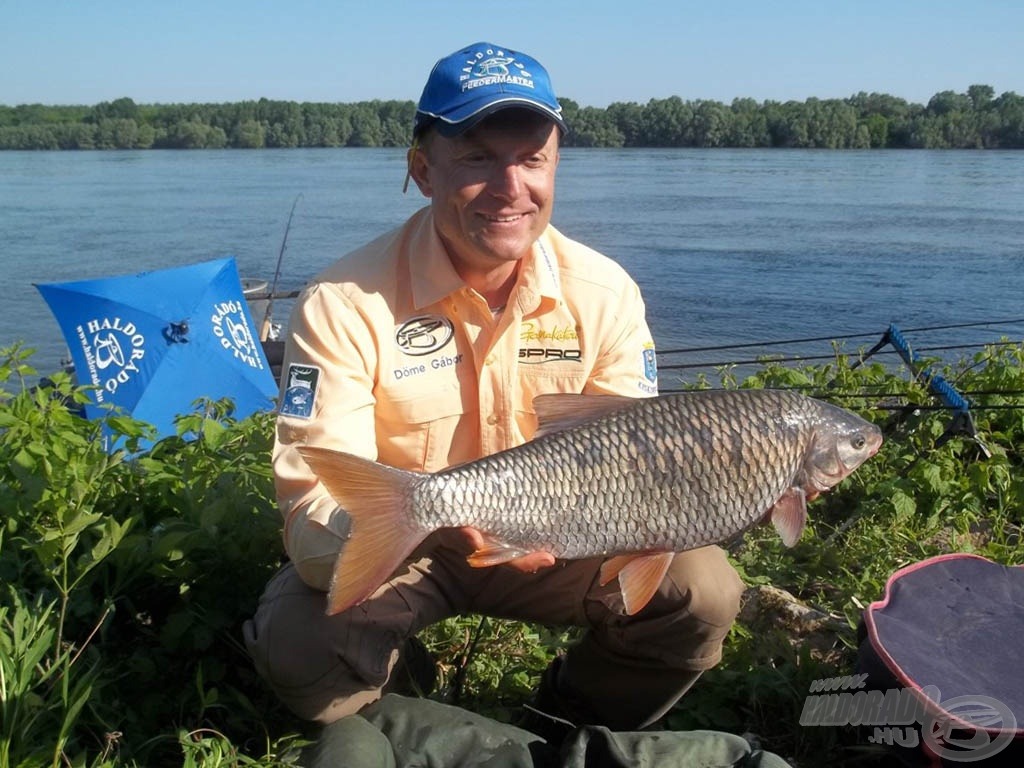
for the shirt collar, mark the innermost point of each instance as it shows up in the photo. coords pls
(434, 277)
(539, 287)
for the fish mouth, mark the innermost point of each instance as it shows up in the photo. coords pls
(820, 482)
(824, 475)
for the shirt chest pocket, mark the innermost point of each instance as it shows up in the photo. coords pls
(541, 380)
(425, 431)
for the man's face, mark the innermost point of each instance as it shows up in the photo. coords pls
(492, 188)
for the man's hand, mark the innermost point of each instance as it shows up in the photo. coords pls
(528, 563)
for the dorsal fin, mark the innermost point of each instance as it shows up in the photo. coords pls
(558, 412)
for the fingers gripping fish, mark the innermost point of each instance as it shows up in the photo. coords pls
(634, 480)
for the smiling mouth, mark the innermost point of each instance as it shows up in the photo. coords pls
(502, 219)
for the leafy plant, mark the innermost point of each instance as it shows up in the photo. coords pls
(142, 568)
(128, 575)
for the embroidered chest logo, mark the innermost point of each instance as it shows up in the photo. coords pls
(532, 331)
(551, 344)
(423, 335)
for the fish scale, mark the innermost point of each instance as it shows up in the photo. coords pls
(621, 472)
(634, 479)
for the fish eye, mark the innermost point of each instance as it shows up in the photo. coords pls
(858, 442)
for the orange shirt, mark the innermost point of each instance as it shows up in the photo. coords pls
(390, 355)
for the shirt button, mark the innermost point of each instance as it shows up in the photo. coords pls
(489, 360)
(492, 419)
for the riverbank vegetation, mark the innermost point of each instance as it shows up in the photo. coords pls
(125, 578)
(976, 119)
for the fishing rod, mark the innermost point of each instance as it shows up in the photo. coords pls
(806, 358)
(962, 422)
(821, 395)
(879, 390)
(265, 327)
(779, 357)
(807, 340)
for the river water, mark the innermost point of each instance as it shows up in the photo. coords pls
(728, 246)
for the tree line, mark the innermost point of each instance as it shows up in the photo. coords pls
(976, 119)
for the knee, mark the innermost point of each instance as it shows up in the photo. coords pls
(709, 587)
(286, 638)
(324, 667)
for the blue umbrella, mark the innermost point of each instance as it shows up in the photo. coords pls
(153, 343)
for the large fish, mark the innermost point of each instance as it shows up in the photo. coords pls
(635, 480)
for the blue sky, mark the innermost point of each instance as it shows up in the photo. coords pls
(598, 52)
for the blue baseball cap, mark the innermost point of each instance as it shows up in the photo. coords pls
(477, 81)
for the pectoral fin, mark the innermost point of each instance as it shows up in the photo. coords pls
(494, 552)
(639, 575)
(789, 515)
(561, 411)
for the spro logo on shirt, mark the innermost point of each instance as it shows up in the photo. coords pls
(541, 355)
(549, 343)
(423, 334)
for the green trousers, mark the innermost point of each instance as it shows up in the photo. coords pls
(400, 732)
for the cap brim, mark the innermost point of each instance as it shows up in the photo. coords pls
(450, 130)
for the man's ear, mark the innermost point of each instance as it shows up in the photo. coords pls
(419, 169)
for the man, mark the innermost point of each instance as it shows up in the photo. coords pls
(424, 349)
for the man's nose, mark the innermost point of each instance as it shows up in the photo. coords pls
(506, 181)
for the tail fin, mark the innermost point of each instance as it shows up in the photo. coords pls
(376, 497)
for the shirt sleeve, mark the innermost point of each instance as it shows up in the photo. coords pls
(626, 364)
(327, 401)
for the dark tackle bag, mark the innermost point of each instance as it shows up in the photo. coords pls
(941, 660)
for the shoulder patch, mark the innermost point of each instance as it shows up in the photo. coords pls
(648, 383)
(300, 391)
(650, 360)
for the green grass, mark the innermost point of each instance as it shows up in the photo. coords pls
(126, 581)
